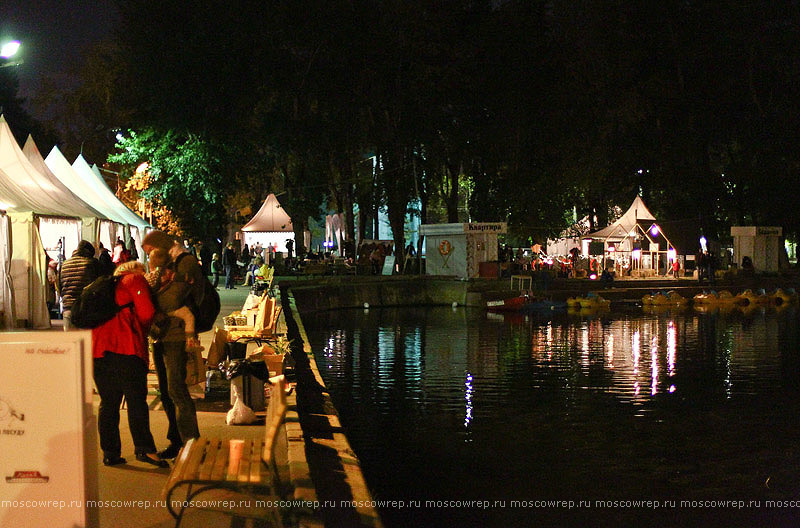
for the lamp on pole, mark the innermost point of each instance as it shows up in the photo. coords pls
(7, 52)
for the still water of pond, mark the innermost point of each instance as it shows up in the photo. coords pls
(445, 406)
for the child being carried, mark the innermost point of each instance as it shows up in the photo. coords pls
(160, 276)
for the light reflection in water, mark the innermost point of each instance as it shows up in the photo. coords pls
(468, 398)
(435, 365)
(610, 351)
(672, 345)
(654, 366)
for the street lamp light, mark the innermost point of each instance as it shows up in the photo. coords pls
(7, 51)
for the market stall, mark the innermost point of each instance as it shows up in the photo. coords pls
(459, 249)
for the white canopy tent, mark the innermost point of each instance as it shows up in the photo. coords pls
(270, 225)
(22, 259)
(109, 230)
(334, 231)
(136, 224)
(635, 236)
(33, 204)
(6, 291)
(90, 217)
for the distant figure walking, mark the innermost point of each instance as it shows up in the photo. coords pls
(229, 263)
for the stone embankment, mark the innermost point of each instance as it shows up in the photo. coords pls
(329, 293)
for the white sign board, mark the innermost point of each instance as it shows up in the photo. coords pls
(48, 468)
(388, 265)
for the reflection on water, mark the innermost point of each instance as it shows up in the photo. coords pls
(439, 389)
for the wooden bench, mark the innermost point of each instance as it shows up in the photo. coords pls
(203, 465)
(264, 283)
(264, 328)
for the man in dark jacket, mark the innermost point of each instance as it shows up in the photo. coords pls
(205, 257)
(77, 272)
(169, 349)
(105, 261)
(229, 263)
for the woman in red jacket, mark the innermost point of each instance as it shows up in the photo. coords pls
(119, 349)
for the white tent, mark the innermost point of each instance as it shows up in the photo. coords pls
(6, 291)
(637, 236)
(33, 203)
(270, 225)
(568, 239)
(90, 217)
(109, 230)
(22, 260)
(334, 230)
(136, 223)
(625, 226)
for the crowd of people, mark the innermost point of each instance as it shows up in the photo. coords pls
(154, 310)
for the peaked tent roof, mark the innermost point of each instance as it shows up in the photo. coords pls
(271, 217)
(24, 188)
(625, 224)
(31, 151)
(95, 179)
(59, 165)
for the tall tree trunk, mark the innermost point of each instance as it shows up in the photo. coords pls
(452, 198)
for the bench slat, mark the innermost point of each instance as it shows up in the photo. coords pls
(212, 451)
(192, 464)
(221, 463)
(256, 469)
(177, 468)
(206, 460)
(244, 463)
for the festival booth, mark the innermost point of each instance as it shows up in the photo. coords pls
(109, 229)
(334, 229)
(139, 227)
(34, 207)
(271, 225)
(51, 234)
(764, 246)
(459, 249)
(134, 224)
(633, 242)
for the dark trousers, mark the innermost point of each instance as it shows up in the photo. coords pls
(118, 375)
(169, 358)
(216, 280)
(229, 277)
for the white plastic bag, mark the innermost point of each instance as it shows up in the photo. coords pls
(240, 414)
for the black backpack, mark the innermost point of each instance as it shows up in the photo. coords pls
(96, 303)
(203, 302)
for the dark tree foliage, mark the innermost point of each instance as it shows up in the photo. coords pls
(12, 108)
(528, 107)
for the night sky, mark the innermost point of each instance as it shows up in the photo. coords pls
(54, 34)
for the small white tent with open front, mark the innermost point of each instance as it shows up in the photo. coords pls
(136, 224)
(32, 204)
(109, 230)
(270, 225)
(90, 217)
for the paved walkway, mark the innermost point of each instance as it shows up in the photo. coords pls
(132, 492)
